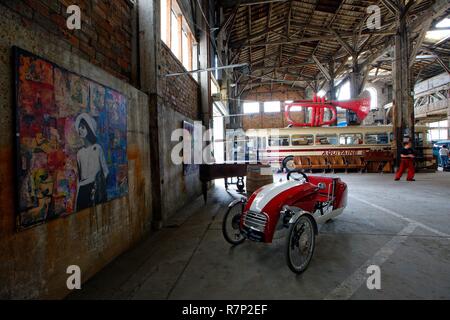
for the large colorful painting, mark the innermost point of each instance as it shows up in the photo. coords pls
(71, 139)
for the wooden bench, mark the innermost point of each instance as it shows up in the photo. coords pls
(302, 163)
(337, 163)
(355, 162)
(379, 161)
(319, 162)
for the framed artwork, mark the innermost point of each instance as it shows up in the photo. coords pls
(71, 141)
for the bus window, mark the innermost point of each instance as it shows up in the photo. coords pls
(326, 139)
(261, 142)
(278, 141)
(302, 139)
(350, 138)
(377, 138)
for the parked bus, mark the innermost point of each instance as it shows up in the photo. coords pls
(279, 146)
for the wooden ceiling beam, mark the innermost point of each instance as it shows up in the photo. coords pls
(315, 38)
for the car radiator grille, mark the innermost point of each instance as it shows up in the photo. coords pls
(255, 220)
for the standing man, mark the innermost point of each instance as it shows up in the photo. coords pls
(443, 153)
(407, 162)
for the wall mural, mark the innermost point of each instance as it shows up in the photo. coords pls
(71, 140)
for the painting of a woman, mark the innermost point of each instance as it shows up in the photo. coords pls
(92, 167)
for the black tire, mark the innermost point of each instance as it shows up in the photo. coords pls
(288, 163)
(231, 221)
(303, 247)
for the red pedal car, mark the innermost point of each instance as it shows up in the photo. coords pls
(299, 204)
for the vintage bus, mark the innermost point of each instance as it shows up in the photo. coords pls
(279, 146)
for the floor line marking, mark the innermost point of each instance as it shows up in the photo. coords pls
(349, 286)
(395, 214)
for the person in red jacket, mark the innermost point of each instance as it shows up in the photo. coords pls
(407, 162)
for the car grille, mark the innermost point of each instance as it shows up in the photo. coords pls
(255, 220)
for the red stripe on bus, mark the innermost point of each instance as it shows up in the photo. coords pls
(317, 150)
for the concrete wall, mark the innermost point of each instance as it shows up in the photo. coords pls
(176, 189)
(33, 262)
(178, 100)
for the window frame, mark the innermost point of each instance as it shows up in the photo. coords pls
(361, 137)
(376, 134)
(279, 138)
(181, 26)
(297, 137)
(326, 135)
(266, 105)
(253, 112)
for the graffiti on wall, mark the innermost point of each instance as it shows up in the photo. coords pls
(71, 141)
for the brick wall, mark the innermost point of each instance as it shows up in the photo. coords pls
(180, 92)
(105, 35)
(270, 120)
(276, 92)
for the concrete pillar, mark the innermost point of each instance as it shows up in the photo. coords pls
(355, 86)
(403, 101)
(204, 63)
(149, 39)
(448, 123)
(355, 78)
(332, 90)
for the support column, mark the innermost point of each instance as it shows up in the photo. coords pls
(205, 77)
(403, 115)
(149, 38)
(332, 90)
(448, 123)
(354, 78)
(355, 85)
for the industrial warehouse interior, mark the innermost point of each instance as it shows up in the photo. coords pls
(225, 150)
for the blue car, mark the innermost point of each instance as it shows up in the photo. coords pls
(436, 146)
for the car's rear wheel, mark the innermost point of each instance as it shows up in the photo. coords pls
(300, 244)
(231, 224)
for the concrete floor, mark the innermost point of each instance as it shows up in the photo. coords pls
(402, 227)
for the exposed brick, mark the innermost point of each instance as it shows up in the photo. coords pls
(39, 7)
(87, 50)
(105, 37)
(59, 20)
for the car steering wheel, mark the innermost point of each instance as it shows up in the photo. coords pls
(296, 179)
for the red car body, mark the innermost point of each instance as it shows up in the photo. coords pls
(262, 212)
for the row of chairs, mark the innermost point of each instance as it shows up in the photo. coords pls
(310, 163)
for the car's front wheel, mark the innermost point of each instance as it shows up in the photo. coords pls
(231, 224)
(300, 244)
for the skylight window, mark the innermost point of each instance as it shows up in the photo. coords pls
(438, 35)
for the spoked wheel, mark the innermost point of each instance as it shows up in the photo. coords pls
(230, 224)
(300, 244)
